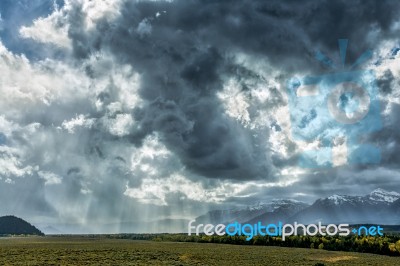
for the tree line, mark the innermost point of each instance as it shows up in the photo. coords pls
(384, 245)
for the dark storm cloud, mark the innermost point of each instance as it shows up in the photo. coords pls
(282, 31)
(389, 138)
(385, 82)
(185, 52)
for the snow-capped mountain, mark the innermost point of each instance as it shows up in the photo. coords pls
(374, 207)
(381, 195)
(341, 199)
(378, 196)
(280, 213)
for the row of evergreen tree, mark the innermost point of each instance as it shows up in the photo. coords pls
(384, 245)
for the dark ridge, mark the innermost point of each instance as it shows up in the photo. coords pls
(11, 225)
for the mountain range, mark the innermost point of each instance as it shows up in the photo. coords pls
(378, 207)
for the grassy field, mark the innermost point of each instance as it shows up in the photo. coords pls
(101, 251)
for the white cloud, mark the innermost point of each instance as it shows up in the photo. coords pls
(155, 191)
(38, 85)
(121, 125)
(79, 121)
(144, 28)
(52, 29)
(50, 178)
(150, 159)
(96, 10)
(7, 127)
(235, 101)
(11, 165)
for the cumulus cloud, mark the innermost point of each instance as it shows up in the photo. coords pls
(50, 178)
(79, 121)
(52, 29)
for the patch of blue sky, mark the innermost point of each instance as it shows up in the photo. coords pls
(15, 14)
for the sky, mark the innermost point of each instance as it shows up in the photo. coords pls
(120, 111)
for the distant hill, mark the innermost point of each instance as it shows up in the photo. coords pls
(282, 212)
(50, 230)
(277, 210)
(11, 225)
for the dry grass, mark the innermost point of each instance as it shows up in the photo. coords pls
(101, 251)
(336, 258)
